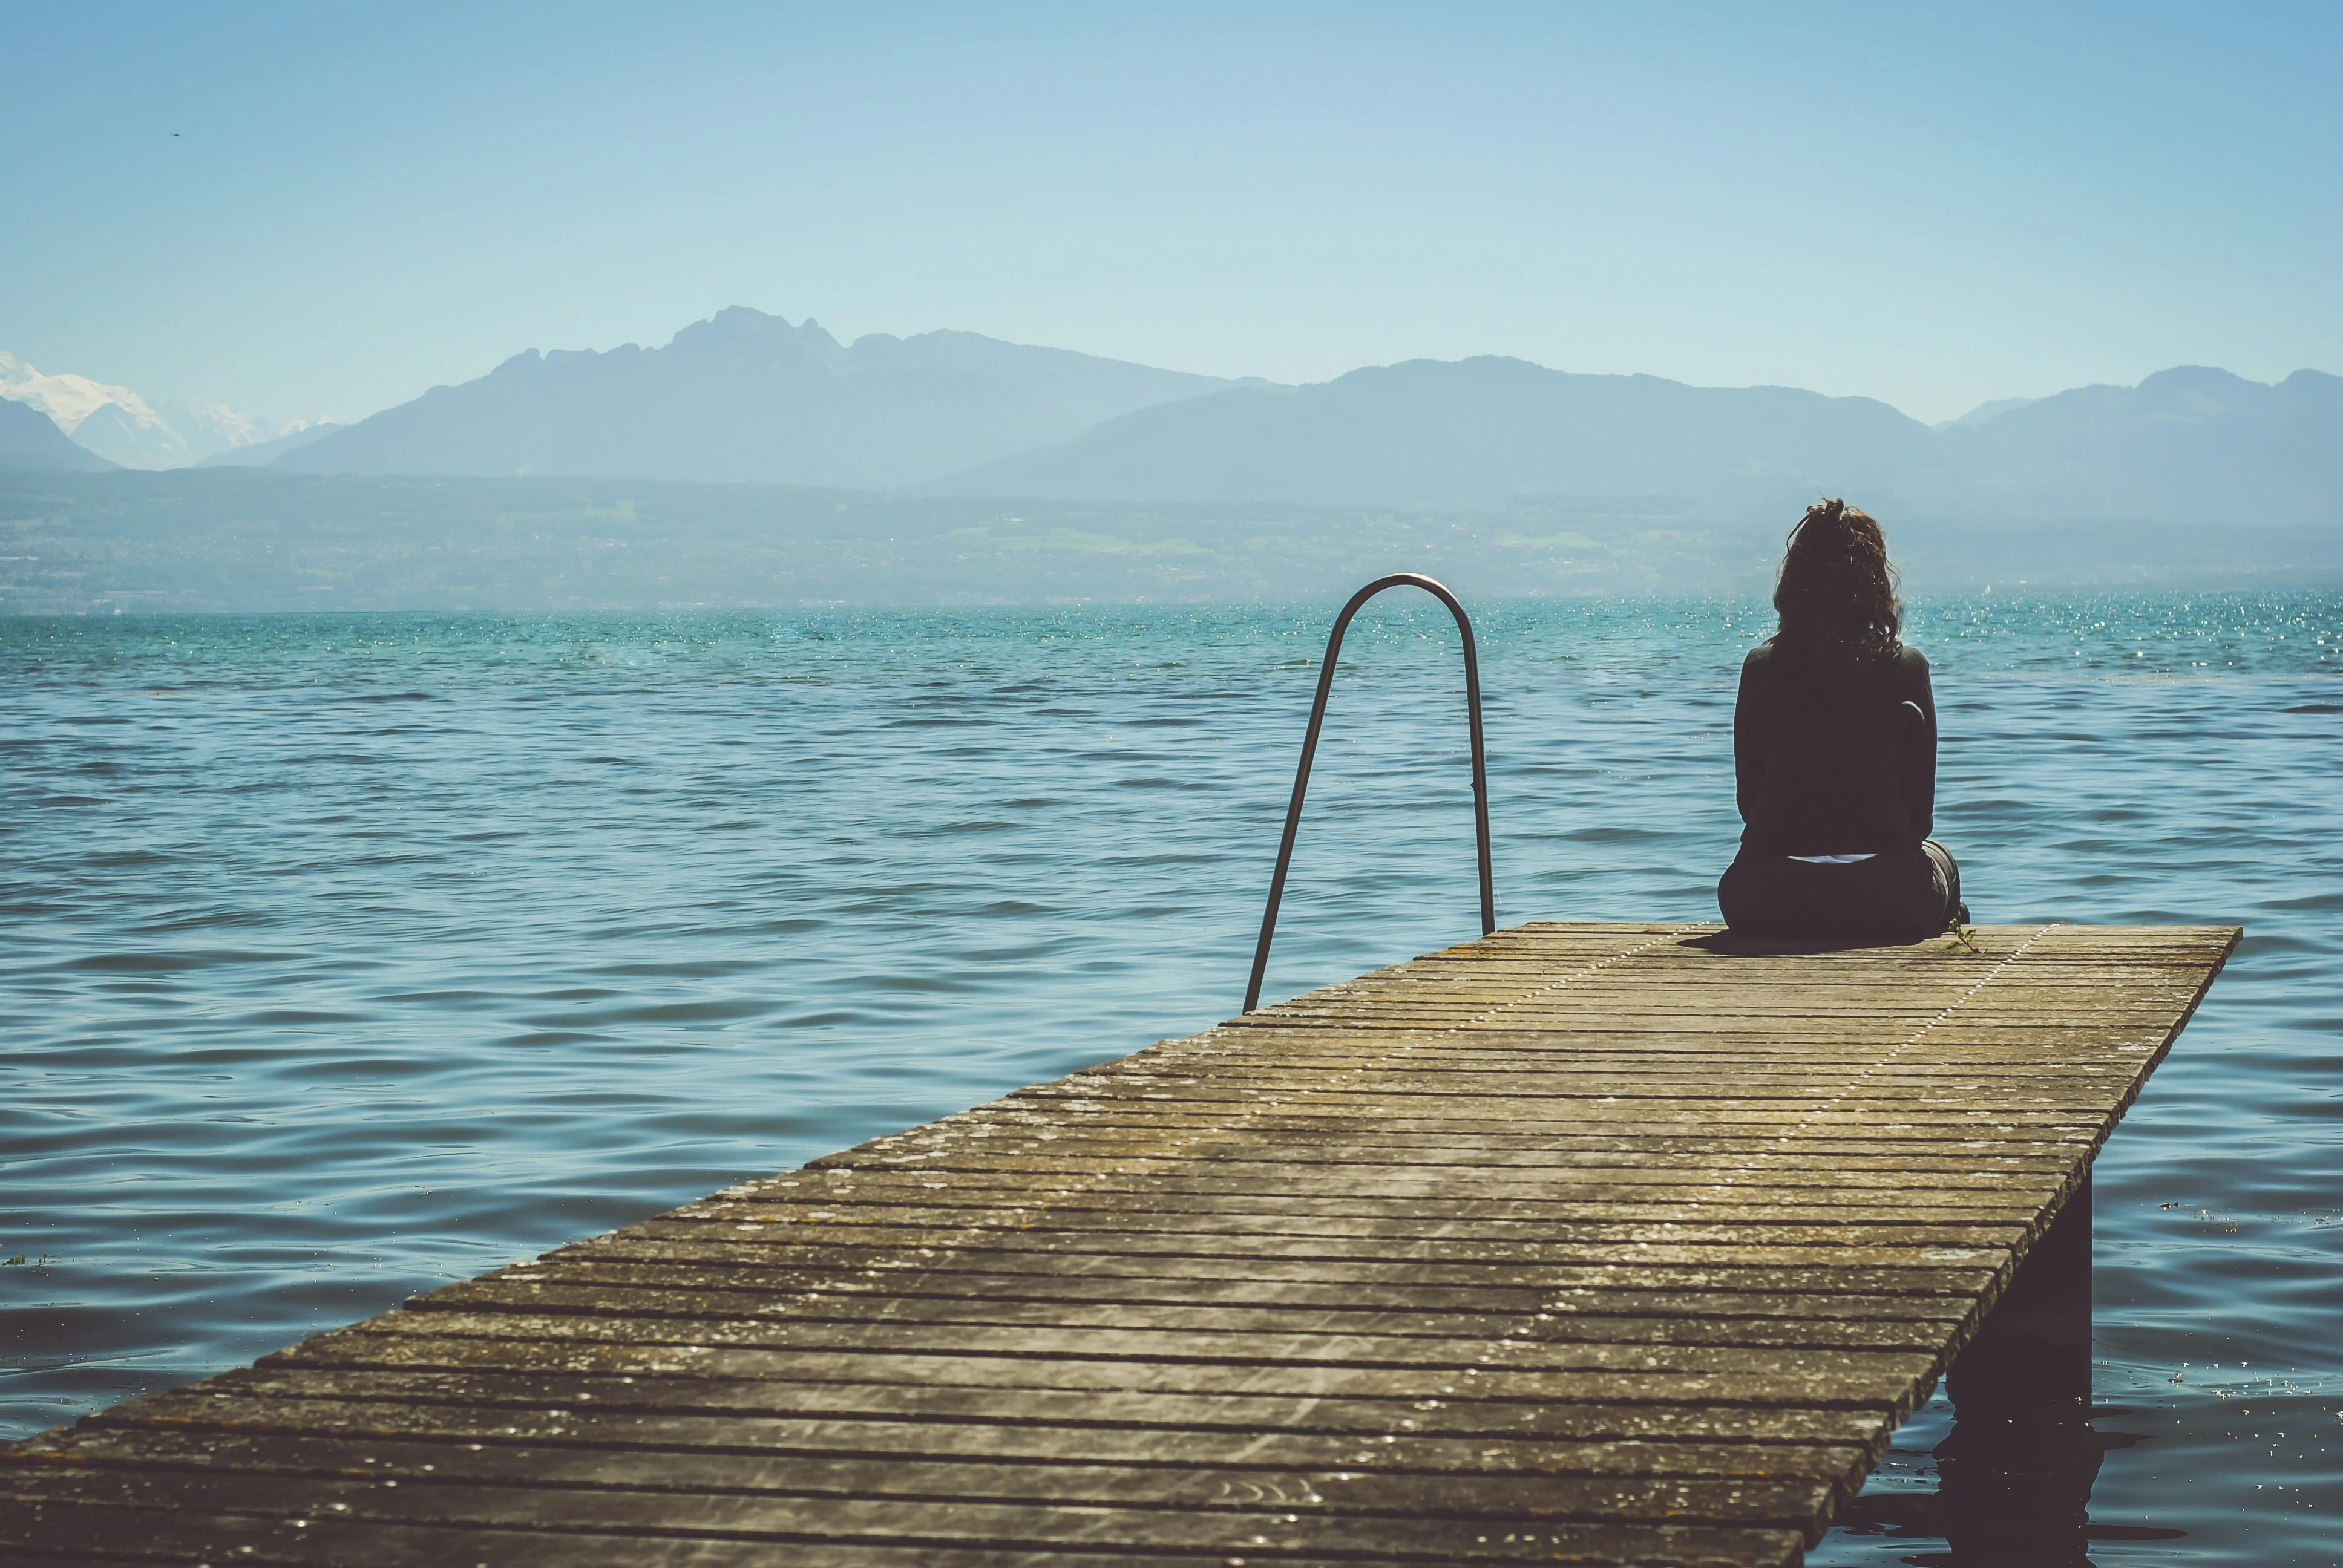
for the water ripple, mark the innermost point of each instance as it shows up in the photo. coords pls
(350, 955)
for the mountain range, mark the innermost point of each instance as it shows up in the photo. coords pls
(2190, 444)
(2185, 445)
(1474, 432)
(747, 396)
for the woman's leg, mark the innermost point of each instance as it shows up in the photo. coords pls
(1759, 897)
(1737, 897)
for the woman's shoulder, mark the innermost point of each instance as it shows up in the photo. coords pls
(1906, 677)
(1769, 657)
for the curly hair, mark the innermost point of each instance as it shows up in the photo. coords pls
(1836, 593)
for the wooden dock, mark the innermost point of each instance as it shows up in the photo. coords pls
(1583, 1243)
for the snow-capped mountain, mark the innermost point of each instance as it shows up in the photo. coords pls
(112, 421)
(119, 425)
(260, 454)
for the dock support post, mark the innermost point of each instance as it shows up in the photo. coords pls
(2015, 1476)
(2033, 1348)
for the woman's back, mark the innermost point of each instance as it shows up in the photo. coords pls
(1833, 755)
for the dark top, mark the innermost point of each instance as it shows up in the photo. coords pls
(1827, 757)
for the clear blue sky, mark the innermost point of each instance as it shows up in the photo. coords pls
(1934, 205)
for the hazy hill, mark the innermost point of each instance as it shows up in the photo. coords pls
(2189, 445)
(1430, 433)
(2186, 444)
(747, 396)
(31, 439)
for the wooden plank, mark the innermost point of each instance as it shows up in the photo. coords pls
(173, 1531)
(439, 1436)
(1607, 1243)
(949, 1270)
(540, 1398)
(1689, 1400)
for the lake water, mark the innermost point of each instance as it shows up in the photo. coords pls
(345, 956)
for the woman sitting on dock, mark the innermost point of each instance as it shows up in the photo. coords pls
(1835, 756)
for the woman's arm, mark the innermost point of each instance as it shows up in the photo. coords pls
(1748, 769)
(1918, 783)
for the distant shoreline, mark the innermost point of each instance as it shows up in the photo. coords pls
(244, 541)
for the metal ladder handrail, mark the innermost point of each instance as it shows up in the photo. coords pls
(1310, 748)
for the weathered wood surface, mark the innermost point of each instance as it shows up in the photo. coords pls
(1589, 1243)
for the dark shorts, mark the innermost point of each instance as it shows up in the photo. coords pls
(1892, 898)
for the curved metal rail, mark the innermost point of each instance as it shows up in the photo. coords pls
(1309, 750)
